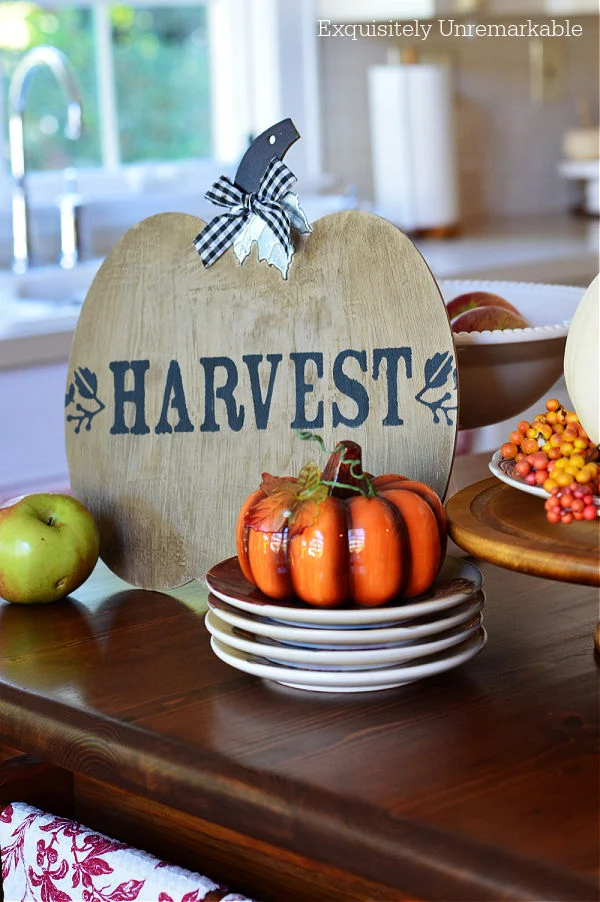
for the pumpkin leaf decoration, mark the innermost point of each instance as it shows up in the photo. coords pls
(293, 503)
(288, 502)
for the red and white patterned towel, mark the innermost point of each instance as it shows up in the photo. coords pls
(50, 859)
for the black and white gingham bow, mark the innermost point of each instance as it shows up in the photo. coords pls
(221, 231)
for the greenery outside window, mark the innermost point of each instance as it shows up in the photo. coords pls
(172, 90)
(143, 71)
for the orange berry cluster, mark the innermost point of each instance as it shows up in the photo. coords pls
(555, 452)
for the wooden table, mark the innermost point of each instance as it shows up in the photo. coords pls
(479, 784)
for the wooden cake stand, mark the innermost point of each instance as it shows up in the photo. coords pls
(509, 528)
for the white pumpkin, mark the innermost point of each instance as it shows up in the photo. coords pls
(581, 363)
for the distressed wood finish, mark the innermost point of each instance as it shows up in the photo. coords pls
(480, 784)
(167, 503)
(509, 528)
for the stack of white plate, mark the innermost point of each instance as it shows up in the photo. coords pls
(346, 649)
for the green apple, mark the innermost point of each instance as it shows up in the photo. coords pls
(49, 545)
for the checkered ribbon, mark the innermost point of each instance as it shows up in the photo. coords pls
(221, 231)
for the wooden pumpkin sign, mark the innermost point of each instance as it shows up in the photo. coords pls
(186, 383)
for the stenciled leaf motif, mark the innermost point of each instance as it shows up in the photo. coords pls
(437, 369)
(90, 378)
(86, 382)
(85, 386)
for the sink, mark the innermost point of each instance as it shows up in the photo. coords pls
(51, 284)
(45, 298)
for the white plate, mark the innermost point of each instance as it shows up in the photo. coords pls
(365, 637)
(353, 680)
(354, 658)
(456, 581)
(505, 471)
(549, 309)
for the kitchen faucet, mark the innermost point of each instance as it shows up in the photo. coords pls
(60, 67)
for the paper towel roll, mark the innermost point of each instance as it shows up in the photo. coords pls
(413, 145)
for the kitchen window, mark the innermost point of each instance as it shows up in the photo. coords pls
(120, 53)
(166, 86)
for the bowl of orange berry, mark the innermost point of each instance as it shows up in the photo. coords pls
(553, 457)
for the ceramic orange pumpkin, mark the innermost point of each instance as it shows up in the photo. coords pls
(341, 535)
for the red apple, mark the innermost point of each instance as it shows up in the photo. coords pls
(482, 319)
(49, 545)
(472, 299)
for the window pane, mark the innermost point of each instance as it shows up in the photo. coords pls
(162, 81)
(69, 28)
(161, 68)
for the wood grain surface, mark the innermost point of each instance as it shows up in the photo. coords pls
(186, 383)
(25, 778)
(263, 870)
(509, 527)
(479, 784)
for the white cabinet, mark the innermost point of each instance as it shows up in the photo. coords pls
(343, 11)
(525, 8)
(571, 7)
(32, 448)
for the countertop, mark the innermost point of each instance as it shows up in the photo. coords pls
(553, 249)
